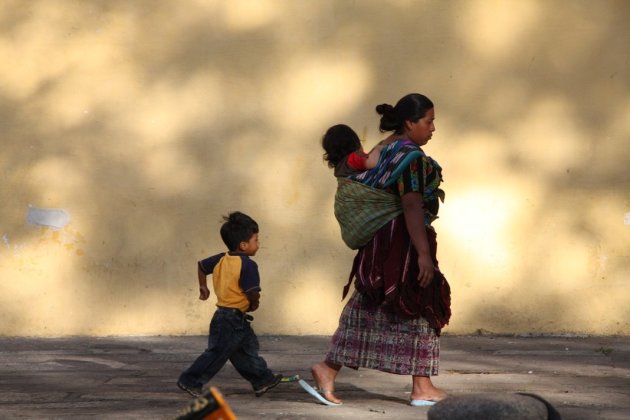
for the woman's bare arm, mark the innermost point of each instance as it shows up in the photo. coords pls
(414, 220)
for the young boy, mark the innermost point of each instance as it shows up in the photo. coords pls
(236, 284)
(344, 152)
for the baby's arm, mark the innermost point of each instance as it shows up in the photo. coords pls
(373, 156)
(375, 153)
(254, 300)
(204, 292)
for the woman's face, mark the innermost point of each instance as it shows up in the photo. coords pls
(420, 132)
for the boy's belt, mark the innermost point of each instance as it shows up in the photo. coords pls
(238, 312)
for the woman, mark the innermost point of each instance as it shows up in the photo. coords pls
(393, 320)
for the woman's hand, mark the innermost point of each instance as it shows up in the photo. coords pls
(427, 270)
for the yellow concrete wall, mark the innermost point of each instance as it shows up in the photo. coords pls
(145, 121)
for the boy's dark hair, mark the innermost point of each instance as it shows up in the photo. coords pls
(237, 227)
(338, 142)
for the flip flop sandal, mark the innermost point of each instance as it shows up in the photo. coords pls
(421, 403)
(291, 378)
(316, 394)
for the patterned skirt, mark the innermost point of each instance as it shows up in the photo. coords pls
(370, 336)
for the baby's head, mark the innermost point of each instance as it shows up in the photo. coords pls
(240, 233)
(338, 142)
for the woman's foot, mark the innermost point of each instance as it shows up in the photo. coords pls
(435, 396)
(424, 390)
(324, 375)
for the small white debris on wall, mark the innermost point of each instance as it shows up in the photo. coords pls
(626, 219)
(52, 218)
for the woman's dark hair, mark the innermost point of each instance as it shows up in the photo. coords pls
(237, 228)
(338, 142)
(411, 107)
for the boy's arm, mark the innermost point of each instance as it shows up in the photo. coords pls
(254, 300)
(204, 292)
(250, 283)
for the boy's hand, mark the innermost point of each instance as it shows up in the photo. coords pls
(204, 292)
(254, 301)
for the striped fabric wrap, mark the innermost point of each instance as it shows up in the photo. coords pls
(395, 157)
(362, 210)
(362, 205)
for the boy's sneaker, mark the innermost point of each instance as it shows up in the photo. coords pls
(194, 391)
(276, 380)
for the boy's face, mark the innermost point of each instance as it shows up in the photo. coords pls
(250, 247)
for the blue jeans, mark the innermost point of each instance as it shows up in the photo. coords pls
(231, 338)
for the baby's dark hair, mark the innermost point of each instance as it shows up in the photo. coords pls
(338, 142)
(237, 227)
(410, 107)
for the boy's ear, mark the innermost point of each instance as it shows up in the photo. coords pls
(242, 246)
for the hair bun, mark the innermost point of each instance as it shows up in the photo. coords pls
(384, 109)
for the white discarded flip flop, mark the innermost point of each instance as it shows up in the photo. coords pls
(316, 394)
(421, 403)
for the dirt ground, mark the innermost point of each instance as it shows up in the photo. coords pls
(134, 377)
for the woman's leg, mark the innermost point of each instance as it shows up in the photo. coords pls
(324, 373)
(423, 389)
